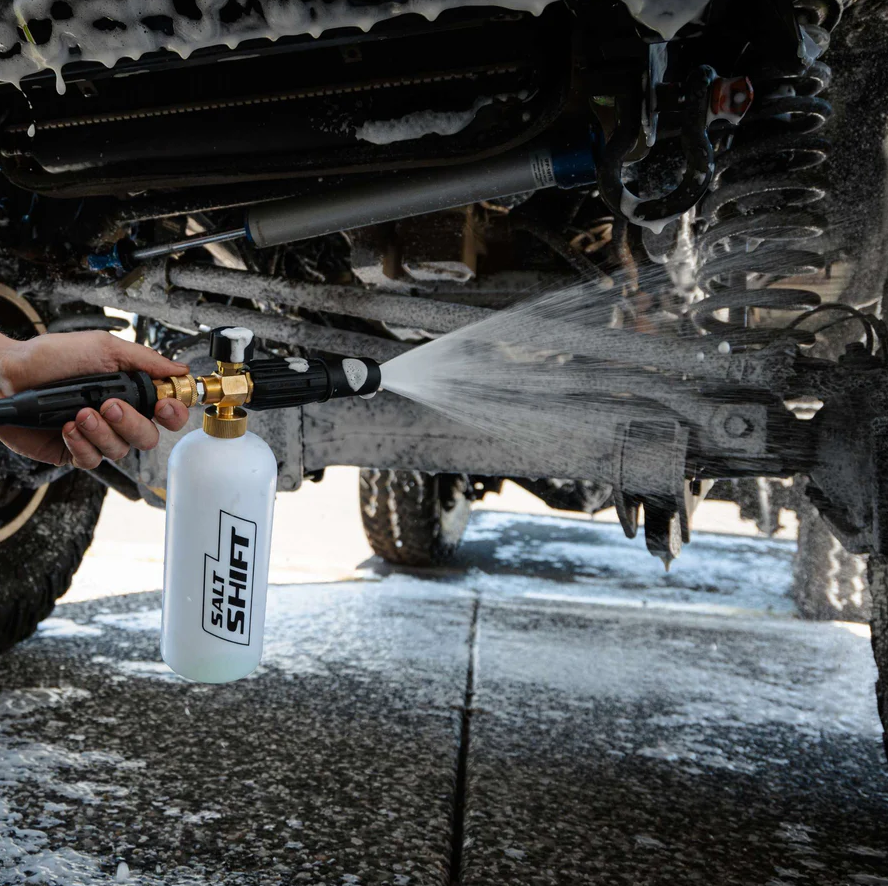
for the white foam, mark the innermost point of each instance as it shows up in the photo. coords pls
(140, 620)
(666, 17)
(18, 702)
(57, 628)
(356, 372)
(26, 853)
(270, 21)
(240, 338)
(152, 670)
(629, 203)
(419, 124)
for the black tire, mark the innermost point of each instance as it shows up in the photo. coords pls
(580, 496)
(828, 582)
(877, 573)
(38, 561)
(414, 519)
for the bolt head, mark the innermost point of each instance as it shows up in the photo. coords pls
(737, 426)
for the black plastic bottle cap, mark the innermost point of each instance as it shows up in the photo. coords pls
(224, 347)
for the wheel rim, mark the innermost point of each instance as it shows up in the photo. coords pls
(20, 509)
(454, 505)
(17, 317)
(17, 505)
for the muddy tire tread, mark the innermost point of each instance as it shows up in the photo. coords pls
(829, 583)
(877, 571)
(409, 501)
(38, 562)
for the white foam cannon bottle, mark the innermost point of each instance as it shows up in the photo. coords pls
(220, 501)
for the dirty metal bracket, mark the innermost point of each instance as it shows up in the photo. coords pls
(700, 100)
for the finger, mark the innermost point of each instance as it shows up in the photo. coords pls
(130, 425)
(82, 453)
(131, 356)
(61, 355)
(92, 426)
(172, 414)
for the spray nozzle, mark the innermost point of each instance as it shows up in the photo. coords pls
(278, 383)
(239, 381)
(294, 381)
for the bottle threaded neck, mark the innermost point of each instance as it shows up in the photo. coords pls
(226, 423)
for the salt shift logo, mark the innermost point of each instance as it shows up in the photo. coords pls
(228, 581)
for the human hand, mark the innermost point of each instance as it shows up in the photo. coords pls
(94, 434)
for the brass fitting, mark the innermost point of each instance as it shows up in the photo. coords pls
(227, 390)
(178, 387)
(228, 387)
(224, 392)
(225, 422)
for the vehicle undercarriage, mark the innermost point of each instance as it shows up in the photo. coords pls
(734, 203)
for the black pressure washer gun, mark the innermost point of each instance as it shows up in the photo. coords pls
(239, 380)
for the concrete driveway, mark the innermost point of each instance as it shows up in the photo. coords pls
(556, 711)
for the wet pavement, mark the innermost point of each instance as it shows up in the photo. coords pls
(618, 747)
(558, 712)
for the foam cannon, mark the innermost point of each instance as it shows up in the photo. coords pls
(220, 487)
(238, 383)
(221, 482)
(563, 163)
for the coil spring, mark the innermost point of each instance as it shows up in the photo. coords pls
(762, 221)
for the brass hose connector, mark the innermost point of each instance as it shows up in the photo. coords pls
(227, 388)
(178, 387)
(230, 385)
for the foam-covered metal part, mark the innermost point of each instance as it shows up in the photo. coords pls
(168, 122)
(108, 30)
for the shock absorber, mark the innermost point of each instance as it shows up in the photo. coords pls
(763, 220)
(566, 163)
